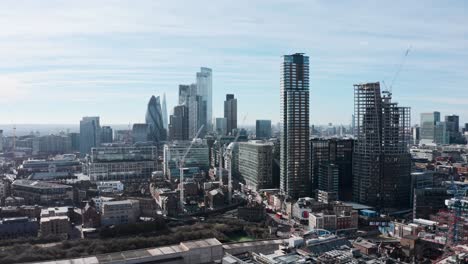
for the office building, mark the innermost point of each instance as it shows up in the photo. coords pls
(164, 112)
(16, 227)
(415, 135)
(107, 135)
(428, 124)
(126, 164)
(205, 91)
(140, 133)
(179, 123)
(154, 120)
(221, 126)
(189, 98)
(465, 129)
(41, 192)
(53, 144)
(381, 160)
(263, 129)
(58, 226)
(294, 136)
(117, 213)
(90, 134)
(196, 159)
(453, 129)
(441, 134)
(1, 140)
(328, 176)
(75, 141)
(230, 113)
(256, 158)
(338, 152)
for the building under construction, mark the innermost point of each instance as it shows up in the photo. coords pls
(381, 159)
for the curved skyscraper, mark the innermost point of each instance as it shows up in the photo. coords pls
(155, 121)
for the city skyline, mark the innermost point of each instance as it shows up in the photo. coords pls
(87, 66)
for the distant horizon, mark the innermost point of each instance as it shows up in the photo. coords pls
(62, 61)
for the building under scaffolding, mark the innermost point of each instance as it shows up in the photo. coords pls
(381, 159)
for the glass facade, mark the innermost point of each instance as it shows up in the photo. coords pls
(154, 120)
(205, 90)
(263, 129)
(428, 122)
(196, 157)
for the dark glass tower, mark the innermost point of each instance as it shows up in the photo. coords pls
(295, 181)
(154, 119)
(230, 113)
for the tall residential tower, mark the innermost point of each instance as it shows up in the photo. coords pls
(381, 159)
(295, 179)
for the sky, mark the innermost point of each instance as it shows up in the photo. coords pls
(61, 60)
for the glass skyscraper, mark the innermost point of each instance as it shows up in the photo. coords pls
(90, 134)
(205, 90)
(428, 123)
(263, 129)
(154, 119)
(295, 179)
(230, 113)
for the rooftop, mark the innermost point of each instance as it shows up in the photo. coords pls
(39, 184)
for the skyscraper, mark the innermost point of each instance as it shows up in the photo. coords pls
(140, 133)
(453, 129)
(1, 140)
(154, 120)
(205, 90)
(179, 123)
(188, 97)
(428, 123)
(230, 113)
(90, 134)
(164, 112)
(263, 129)
(381, 159)
(295, 179)
(221, 126)
(441, 133)
(107, 134)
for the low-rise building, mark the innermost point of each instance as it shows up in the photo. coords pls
(44, 193)
(55, 226)
(16, 227)
(118, 213)
(110, 186)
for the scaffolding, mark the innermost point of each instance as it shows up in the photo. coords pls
(382, 163)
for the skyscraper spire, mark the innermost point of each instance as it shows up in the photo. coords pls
(164, 111)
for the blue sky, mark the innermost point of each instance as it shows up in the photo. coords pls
(61, 60)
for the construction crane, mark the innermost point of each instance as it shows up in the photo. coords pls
(228, 154)
(397, 73)
(181, 169)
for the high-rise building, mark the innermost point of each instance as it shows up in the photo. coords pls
(221, 125)
(415, 134)
(263, 129)
(230, 113)
(154, 119)
(140, 133)
(205, 90)
(164, 112)
(441, 133)
(381, 160)
(90, 134)
(179, 123)
(466, 128)
(295, 179)
(188, 97)
(107, 135)
(256, 158)
(453, 128)
(75, 141)
(328, 178)
(1, 140)
(428, 123)
(338, 152)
